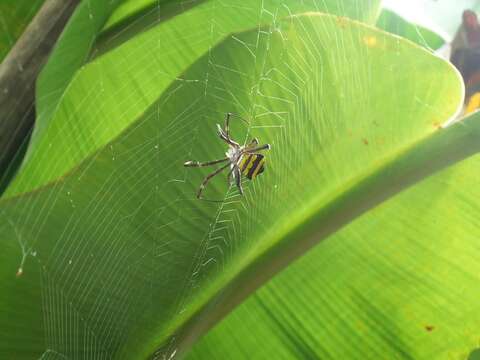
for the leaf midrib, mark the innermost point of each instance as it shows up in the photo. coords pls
(257, 270)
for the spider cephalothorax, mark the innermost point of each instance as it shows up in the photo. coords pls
(240, 159)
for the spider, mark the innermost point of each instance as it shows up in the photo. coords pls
(240, 159)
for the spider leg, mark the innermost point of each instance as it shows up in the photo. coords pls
(252, 145)
(259, 148)
(227, 124)
(200, 164)
(225, 132)
(207, 179)
(238, 178)
(228, 116)
(223, 135)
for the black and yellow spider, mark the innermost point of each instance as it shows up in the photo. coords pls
(240, 159)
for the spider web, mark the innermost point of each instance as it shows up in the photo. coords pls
(135, 246)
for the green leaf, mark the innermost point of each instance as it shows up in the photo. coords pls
(118, 257)
(132, 10)
(391, 22)
(70, 54)
(71, 51)
(401, 282)
(14, 18)
(137, 64)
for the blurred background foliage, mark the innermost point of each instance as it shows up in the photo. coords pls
(15, 15)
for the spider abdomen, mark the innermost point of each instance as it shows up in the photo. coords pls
(252, 165)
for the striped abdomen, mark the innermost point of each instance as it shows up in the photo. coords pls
(252, 164)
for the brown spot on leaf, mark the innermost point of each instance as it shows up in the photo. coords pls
(365, 141)
(429, 328)
(342, 21)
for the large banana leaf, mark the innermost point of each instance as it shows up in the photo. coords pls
(117, 258)
(137, 64)
(401, 282)
(70, 54)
